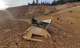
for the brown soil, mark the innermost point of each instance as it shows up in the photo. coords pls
(64, 31)
(68, 26)
(67, 34)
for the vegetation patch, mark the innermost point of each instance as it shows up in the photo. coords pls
(27, 20)
(54, 11)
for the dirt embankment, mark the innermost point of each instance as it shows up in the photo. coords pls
(67, 23)
(26, 11)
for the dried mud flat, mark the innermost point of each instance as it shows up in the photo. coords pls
(67, 35)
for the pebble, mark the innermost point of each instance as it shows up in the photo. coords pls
(69, 36)
(61, 36)
(64, 33)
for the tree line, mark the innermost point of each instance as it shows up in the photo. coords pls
(55, 2)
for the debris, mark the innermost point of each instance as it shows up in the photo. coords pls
(38, 28)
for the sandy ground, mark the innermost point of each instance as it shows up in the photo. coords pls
(67, 35)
